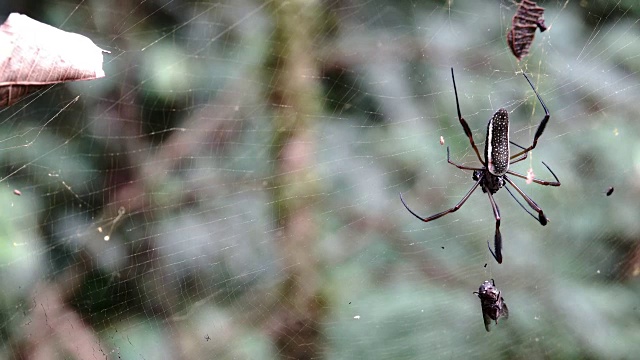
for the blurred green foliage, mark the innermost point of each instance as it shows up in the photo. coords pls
(183, 121)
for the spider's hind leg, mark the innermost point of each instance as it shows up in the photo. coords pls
(497, 240)
(498, 245)
(542, 219)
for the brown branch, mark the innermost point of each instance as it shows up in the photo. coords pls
(295, 96)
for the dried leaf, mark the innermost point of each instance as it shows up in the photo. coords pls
(528, 17)
(33, 55)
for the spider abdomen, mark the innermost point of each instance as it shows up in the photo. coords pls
(496, 149)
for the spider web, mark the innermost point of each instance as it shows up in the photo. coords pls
(230, 189)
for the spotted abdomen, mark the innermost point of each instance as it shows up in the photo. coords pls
(496, 149)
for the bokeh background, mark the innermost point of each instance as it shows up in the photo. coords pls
(245, 158)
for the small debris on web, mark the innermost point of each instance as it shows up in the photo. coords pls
(17, 192)
(530, 176)
(441, 140)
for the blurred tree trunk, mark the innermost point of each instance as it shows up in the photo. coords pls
(293, 90)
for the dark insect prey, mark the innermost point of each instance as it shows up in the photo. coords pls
(610, 191)
(492, 175)
(527, 19)
(492, 303)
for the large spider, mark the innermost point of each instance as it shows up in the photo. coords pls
(493, 174)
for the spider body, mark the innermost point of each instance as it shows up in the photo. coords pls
(496, 149)
(492, 176)
(489, 183)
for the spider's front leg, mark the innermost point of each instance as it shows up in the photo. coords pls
(542, 124)
(463, 122)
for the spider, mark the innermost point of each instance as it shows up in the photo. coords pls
(492, 176)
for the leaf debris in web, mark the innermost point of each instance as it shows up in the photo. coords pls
(33, 55)
(528, 18)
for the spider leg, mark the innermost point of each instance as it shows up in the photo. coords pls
(519, 203)
(463, 122)
(541, 182)
(459, 166)
(542, 125)
(497, 241)
(443, 213)
(524, 156)
(541, 217)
